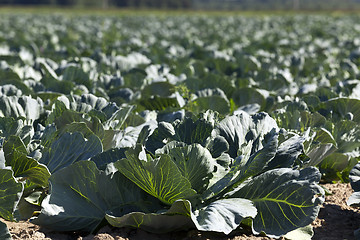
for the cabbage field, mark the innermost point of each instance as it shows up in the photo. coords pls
(170, 122)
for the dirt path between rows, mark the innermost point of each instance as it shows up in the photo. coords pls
(336, 221)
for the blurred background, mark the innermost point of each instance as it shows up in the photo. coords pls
(305, 5)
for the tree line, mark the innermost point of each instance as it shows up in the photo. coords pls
(105, 3)
(199, 4)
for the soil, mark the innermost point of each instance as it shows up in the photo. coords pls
(336, 221)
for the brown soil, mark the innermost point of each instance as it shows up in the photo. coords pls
(336, 221)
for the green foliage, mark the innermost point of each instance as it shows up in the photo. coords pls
(11, 191)
(176, 122)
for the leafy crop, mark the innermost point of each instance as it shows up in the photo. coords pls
(170, 123)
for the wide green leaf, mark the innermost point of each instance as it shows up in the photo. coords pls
(286, 199)
(10, 194)
(160, 177)
(176, 218)
(22, 165)
(195, 164)
(216, 103)
(81, 195)
(68, 149)
(223, 215)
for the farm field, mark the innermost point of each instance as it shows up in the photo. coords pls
(210, 125)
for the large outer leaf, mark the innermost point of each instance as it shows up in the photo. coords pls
(174, 219)
(4, 232)
(70, 148)
(285, 199)
(223, 215)
(10, 193)
(81, 195)
(159, 177)
(195, 163)
(22, 165)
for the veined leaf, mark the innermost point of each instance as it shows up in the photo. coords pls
(160, 177)
(118, 118)
(285, 199)
(190, 132)
(195, 164)
(68, 149)
(22, 165)
(81, 195)
(10, 193)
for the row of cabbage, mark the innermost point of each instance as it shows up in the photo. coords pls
(218, 123)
